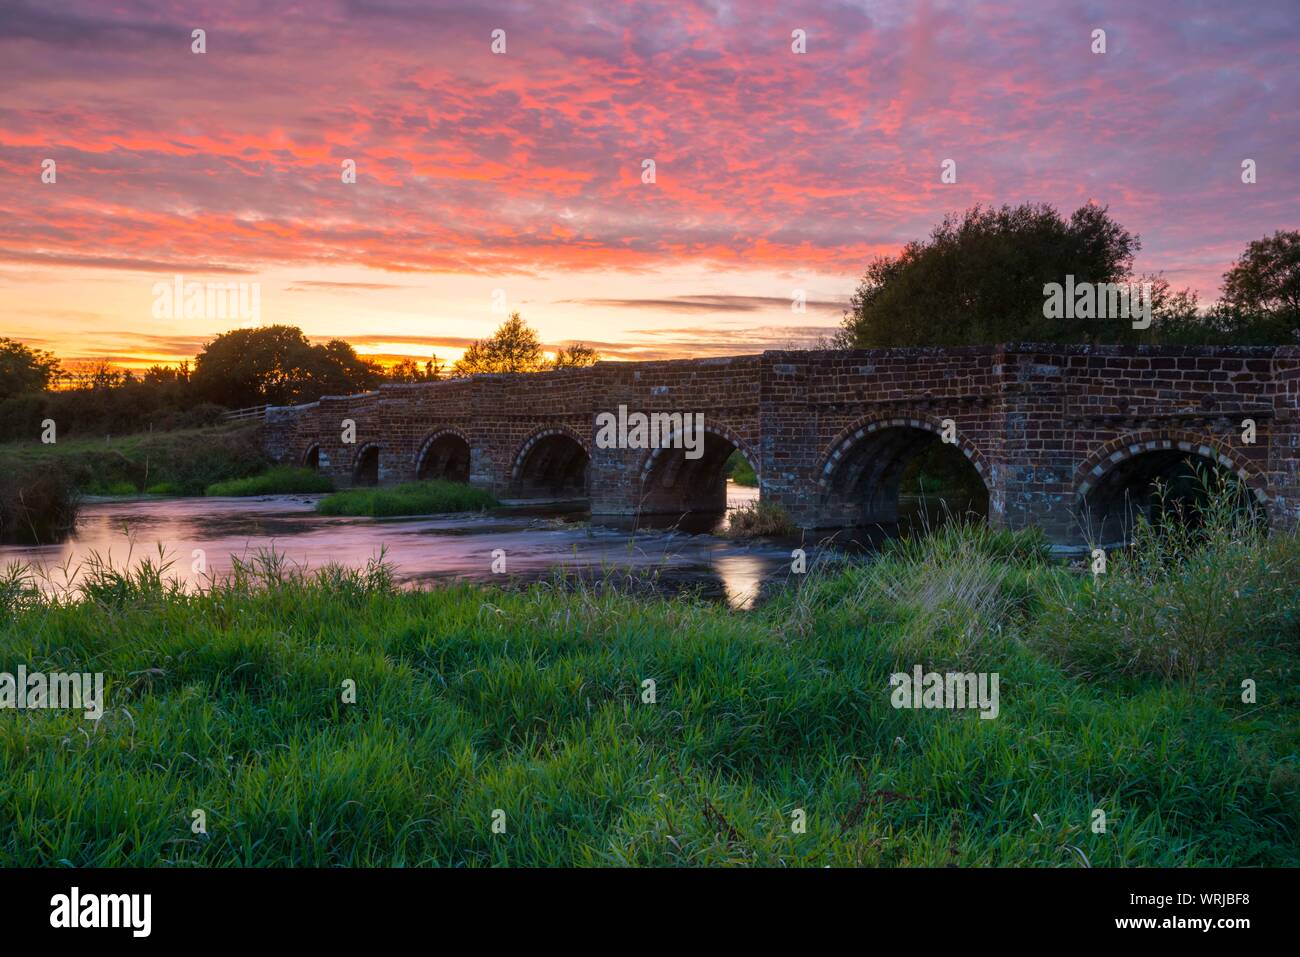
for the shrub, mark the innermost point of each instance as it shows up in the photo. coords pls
(956, 592)
(759, 519)
(1192, 587)
(196, 460)
(281, 480)
(38, 506)
(413, 498)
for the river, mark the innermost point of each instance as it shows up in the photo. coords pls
(536, 540)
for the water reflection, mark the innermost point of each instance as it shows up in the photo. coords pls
(663, 554)
(538, 543)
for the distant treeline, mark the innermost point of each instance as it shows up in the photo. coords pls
(271, 365)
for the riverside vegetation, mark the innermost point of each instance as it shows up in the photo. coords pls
(1122, 693)
(41, 486)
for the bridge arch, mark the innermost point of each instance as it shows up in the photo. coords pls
(672, 483)
(552, 462)
(1119, 480)
(365, 464)
(311, 457)
(860, 475)
(443, 454)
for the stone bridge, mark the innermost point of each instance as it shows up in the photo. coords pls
(1061, 436)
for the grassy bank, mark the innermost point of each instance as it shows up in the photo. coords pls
(184, 462)
(413, 498)
(470, 700)
(281, 480)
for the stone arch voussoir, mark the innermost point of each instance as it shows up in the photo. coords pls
(721, 431)
(537, 435)
(871, 425)
(426, 443)
(1122, 448)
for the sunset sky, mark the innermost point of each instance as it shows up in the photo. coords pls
(521, 171)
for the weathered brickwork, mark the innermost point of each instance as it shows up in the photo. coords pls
(1057, 433)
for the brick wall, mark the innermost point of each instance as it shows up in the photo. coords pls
(1041, 424)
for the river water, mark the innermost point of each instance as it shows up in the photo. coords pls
(537, 541)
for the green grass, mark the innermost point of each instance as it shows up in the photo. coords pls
(281, 480)
(165, 488)
(413, 498)
(118, 489)
(472, 699)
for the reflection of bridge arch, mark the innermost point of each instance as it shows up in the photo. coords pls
(553, 462)
(858, 477)
(444, 454)
(1119, 480)
(673, 483)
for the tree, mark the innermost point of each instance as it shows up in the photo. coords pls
(1266, 279)
(24, 370)
(336, 369)
(408, 370)
(277, 365)
(1259, 305)
(980, 278)
(576, 355)
(514, 347)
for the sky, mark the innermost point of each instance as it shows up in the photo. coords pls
(489, 182)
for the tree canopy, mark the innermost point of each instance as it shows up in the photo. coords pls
(24, 370)
(516, 347)
(982, 278)
(277, 365)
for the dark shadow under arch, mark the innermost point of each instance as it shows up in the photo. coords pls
(673, 484)
(887, 470)
(365, 467)
(444, 455)
(552, 464)
(1157, 478)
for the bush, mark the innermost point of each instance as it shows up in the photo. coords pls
(414, 498)
(758, 519)
(38, 506)
(1192, 588)
(958, 539)
(281, 480)
(193, 461)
